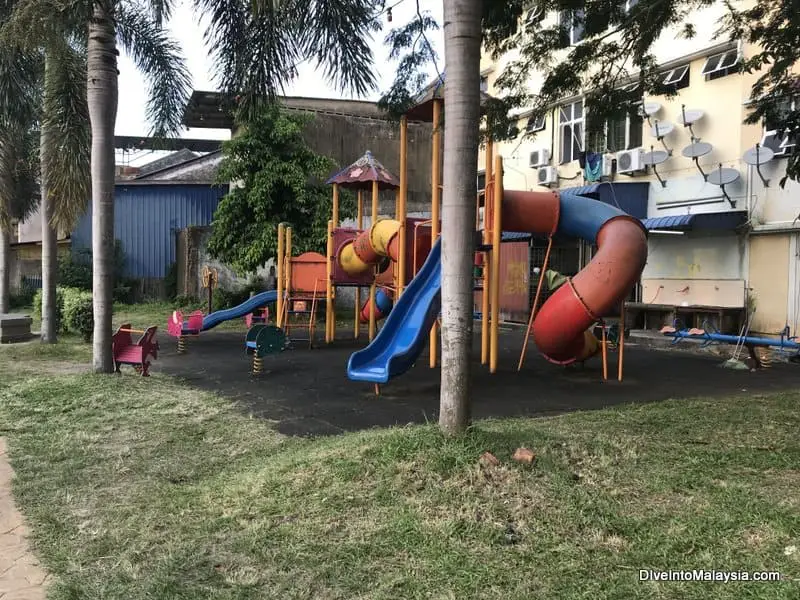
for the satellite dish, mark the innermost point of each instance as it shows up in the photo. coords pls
(697, 149)
(650, 108)
(723, 177)
(758, 155)
(689, 116)
(655, 157)
(661, 128)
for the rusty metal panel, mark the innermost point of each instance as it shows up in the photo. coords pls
(514, 281)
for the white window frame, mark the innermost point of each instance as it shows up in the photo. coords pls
(713, 69)
(571, 122)
(677, 75)
(538, 125)
(787, 145)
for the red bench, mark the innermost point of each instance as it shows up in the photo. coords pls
(137, 355)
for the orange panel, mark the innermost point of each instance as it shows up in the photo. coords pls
(309, 273)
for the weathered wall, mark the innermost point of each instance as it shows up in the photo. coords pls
(346, 138)
(769, 281)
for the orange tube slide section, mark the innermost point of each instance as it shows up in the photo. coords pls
(370, 246)
(560, 328)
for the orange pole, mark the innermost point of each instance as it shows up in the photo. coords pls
(535, 303)
(288, 272)
(435, 200)
(401, 215)
(604, 343)
(329, 314)
(497, 230)
(281, 250)
(621, 341)
(486, 267)
(335, 215)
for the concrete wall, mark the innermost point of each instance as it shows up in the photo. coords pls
(695, 256)
(346, 138)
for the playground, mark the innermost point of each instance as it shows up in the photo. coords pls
(307, 392)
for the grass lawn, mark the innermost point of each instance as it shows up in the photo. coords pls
(143, 488)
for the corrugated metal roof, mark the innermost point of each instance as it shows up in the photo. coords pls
(515, 236)
(724, 221)
(146, 218)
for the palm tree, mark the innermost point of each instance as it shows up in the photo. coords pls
(19, 79)
(256, 47)
(462, 49)
(59, 52)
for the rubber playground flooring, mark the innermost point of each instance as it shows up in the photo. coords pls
(306, 392)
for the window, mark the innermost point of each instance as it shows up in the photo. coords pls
(776, 138)
(572, 21)
(677, 78)
(721, 64)
(485, 84)
(618, 134)
(571, 130)
(481, 181)
(535, 124)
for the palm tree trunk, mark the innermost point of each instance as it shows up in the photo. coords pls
(102, 96)
(462, 48)
(49, 333)
(5, 269)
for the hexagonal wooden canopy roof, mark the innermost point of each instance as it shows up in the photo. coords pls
(362, 173)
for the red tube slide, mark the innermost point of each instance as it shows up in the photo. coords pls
(560, 328)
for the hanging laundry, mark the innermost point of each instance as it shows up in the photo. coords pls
(593, 170)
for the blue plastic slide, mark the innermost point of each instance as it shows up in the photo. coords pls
(237, 312)
(405, 332)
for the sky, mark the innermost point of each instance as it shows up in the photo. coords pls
(186, 29)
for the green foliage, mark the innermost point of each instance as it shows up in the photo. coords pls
(229, 298)
(78, 314)
(282, 182)
(37, 306)
(171, 281)
(23, 297)
(74, 311)
(75, 270)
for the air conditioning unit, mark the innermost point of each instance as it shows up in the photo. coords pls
(539, 158)
(547, 175)
(630, 161)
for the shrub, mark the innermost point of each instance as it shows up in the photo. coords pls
(37, 306)
(75, 271)
(171, 281)
(23, 297)
(80, 318)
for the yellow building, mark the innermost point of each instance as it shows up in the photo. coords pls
(715, 252)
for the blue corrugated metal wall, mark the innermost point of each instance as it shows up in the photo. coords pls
(146, 218)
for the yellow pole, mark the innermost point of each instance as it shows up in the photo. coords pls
(359, 226)
(374, 202)
(401, 214)
(621, 340)
(335, 215)
(435, 199)
(288, 272)
(329, 320)
(497, 229)
(281, 250)
(486, 266)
